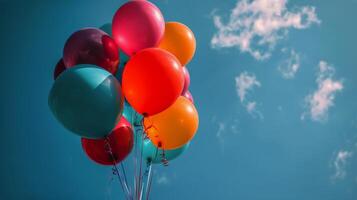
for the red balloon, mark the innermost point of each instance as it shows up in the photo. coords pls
(91, 46)
(60, 67)
(152, 81)
(187, 80)
(188, 95)
(121, 143)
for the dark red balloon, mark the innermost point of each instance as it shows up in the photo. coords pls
(188, 95)
(91, 46)
(152, 80)
(187, 80)
(60, 67)
(121, 142)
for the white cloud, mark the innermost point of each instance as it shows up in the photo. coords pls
(221, 128)
(220, 136)
(256, 26)
(244, 83)
(251, 107)
(323, 98)
(291, 65)
(226, 128)
(162, 179)
(339, 164)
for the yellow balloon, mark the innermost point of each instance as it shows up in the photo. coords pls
(179, 40)
(173, 127)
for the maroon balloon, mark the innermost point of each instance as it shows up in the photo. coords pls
(188, 95)
(121, 143)
(91, 46)
(60, 67)
(187, 80)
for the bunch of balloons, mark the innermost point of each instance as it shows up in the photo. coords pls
(125, 86)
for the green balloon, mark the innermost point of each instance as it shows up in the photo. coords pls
(87, 100)
(155, 155)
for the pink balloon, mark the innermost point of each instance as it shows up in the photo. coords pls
(137, 25)
(188, 95)
(187, 80)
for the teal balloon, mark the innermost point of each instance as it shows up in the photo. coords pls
(151, 152)
(131, 115)
(107, 28)
(123, 60)
(87, 100)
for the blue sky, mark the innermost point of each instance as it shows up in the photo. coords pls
(277, 124)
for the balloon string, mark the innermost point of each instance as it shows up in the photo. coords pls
(115, 168)
(135, 162)
(145, 180)
(141, 192)
(164, 161)
(137, 128)
(125, 179)
(149, 180)
(141, 164)
(135, 150)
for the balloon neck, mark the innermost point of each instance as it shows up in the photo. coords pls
(149, 160)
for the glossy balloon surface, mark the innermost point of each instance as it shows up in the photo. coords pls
(180, 41)
(187, 82)
(152, 81)
(87, 100)
(188, 95)
(174, 127)
(137, 25)
(91, 46)
(112, 150)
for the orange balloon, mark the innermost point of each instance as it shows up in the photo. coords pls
(179, 40)
(173, 127)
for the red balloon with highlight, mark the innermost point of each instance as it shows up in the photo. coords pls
(152, 81)
(120, 141)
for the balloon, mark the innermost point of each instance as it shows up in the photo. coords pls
(60, 67)
(122, 56)
(137, 25)
(120, 145)
(188, 95)
(87, 100)
(123, 61)
(173, 127)
(131, 115)
(179, 40)
(156, 155)
(187, 80)
(91, 46)
(152, 81)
